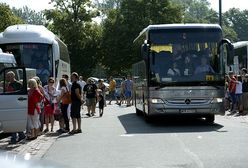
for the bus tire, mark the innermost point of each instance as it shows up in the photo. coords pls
(210, 118)
(138, 112)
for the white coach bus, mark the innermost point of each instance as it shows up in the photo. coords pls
(34, 46)
(240, 56)
(180, 70)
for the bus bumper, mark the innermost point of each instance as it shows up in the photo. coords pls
(163, 109)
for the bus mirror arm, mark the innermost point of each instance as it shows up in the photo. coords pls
(229, 48)
(145, 51)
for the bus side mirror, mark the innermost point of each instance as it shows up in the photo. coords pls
(145, 51)
(227, 47)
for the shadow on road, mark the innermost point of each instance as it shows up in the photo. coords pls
(137, 125)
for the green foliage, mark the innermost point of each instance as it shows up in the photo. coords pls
(71, 20)
(238, 21)
(197, 11)
(124, 24)
(29, 16)
(7, 18)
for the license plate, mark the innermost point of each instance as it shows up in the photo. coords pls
(188, 111)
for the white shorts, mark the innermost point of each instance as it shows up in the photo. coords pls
(34, 121)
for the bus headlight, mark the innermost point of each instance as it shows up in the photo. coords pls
(217, 100)
(157, 101)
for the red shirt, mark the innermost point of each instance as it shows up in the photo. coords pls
(232, 85)
(34, 97)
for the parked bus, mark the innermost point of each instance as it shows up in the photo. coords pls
(240, 56)
(180, 70)
(34, 46)
(6, 60)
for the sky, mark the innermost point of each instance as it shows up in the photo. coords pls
(39, 5)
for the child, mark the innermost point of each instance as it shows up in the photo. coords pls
(101, 102)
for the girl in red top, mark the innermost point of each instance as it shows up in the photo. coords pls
(34, 97)
(232, 90)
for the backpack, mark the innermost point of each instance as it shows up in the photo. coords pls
(67, 97)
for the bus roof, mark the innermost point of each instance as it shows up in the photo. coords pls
(178, 26)
(240, 44)
(25, 33)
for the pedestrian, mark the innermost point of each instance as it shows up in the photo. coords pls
(81, 82)
(128, 90)
(69, 84)
(65, 101)
(243, 72)
(76, 103)
(112, 89)
(49, 105)
(238, 94)
(103, 88)
(232, 90)
(41, 103)
(90, 90)
(122, 92)
(227, 94)
(100, 102)
(245, 94)
(34, 97)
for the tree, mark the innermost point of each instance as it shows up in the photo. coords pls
(238, 21)
(7, 18)
(71, 20)
(29, 16)
(197, 11)
(123, 25)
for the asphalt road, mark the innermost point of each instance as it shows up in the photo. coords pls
(120, 139)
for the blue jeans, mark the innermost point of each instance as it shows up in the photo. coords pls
(13, 139)
(233, 98)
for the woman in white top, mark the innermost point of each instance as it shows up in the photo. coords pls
(49, 104)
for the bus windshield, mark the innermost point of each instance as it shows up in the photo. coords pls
(33, 55)
(183, 56)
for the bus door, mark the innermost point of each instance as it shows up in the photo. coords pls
(13, 100)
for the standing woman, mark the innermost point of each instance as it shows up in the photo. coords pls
(63, 98)
(49, 106)
(103, 88)
(41, 104)
(34, 97)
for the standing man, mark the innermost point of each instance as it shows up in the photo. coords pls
(90, 89)
(112, 88)
(76, 103)
(81, 82)
(128, 90)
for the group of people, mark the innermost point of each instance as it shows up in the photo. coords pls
(126, 91)
(236, 98)
(63, 102)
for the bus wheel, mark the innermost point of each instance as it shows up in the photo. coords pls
(138, 112)
(210, 118)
